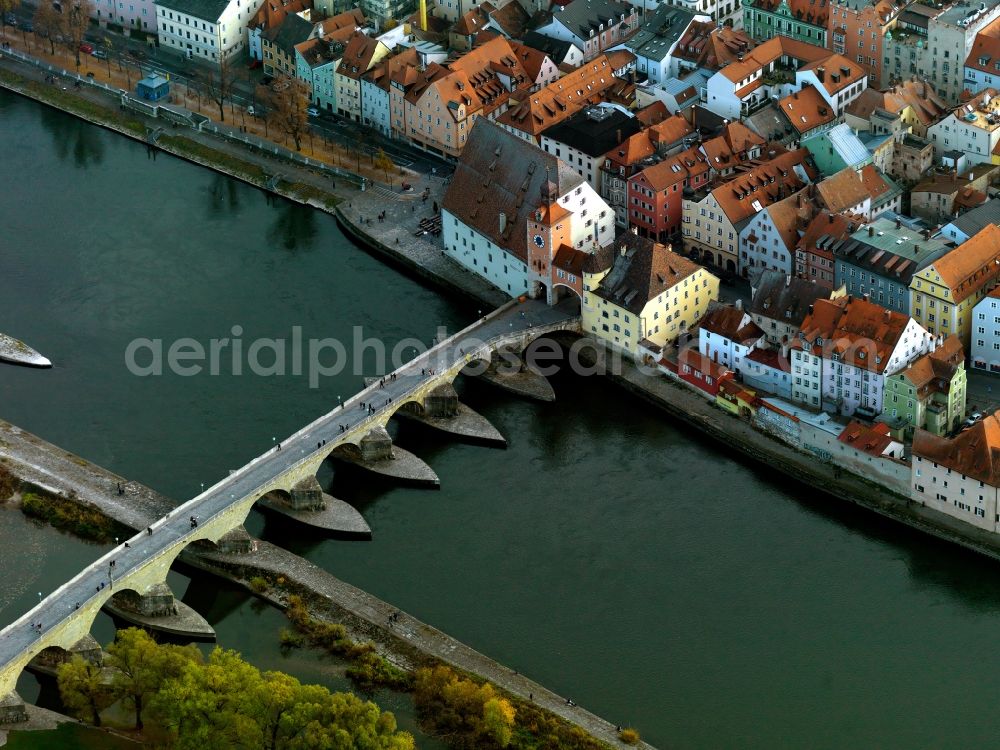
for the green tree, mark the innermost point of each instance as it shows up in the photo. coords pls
(469, 714)
(83, 689)
(141, 665)
(226, 702)
(498, 720)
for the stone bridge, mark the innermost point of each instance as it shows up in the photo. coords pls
(63, 619)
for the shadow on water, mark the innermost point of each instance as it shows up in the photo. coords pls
(294, 228)
(223, 196)
(72, 139)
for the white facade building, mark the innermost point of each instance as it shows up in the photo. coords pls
(973, 128)
(985, 338)
(493, 242)
(727, 335)
(846, 348)
(130, 14)
(958, 475)
(210, 29)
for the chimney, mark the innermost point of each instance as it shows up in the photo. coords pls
(871, 231)
(503, 222)
(821, 73)
(899, 224)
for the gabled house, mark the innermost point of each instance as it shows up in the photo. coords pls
(566, 55)
(727, 335)
(930, 394)
(808, 113)
(655, 194)
(846, 348)
(583, 139)
(648, 295)
(960, 475)
(591, 25)
(316, 61)
(880, 260)
(866, 192)
(714, 216)
(654, 43)
(376, 83)
(910, 106)
(972, 128)
(765, 72)
(781, 302)
(637, 152)
(768, 240)
(943, 294)
(213, 31)
(802, 20)
(589, 84)
(814, 251)
(736, 146)
(361, 55)
(517, 216)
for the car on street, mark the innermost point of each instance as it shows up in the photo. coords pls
(87, 48)
(251, 111)
(99, 54)
(312, 112)
(10, 19)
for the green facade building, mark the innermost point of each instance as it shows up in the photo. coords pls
(929, 394)
(803, 20)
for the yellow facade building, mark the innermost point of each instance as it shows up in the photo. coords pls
(943, 294)
(644, 293)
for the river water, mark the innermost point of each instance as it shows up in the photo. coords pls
(610, 554)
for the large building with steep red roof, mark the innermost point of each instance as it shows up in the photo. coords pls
(960, 475)
(845, 349)
(713, 217)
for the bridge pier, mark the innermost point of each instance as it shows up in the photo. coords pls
(444, 412)
(508, 370)
(236, 542)
(157, 609)
(12, 710)
(376, 453)
(309, 505)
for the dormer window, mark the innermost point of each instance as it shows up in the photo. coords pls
(861, 355)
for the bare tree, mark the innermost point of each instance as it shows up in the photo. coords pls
(49, 22)
(289, 100)
(78, 13)
(7, 6)
(219, 86)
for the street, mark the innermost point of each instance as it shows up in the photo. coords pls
(191, 73)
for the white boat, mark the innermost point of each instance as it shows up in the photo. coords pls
(19, 353)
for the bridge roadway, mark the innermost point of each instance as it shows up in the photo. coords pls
(66, 614)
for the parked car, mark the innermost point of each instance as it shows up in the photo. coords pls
(312, 112)
(251, 111)
(87, 48)
(10, 19)
(100, 54)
